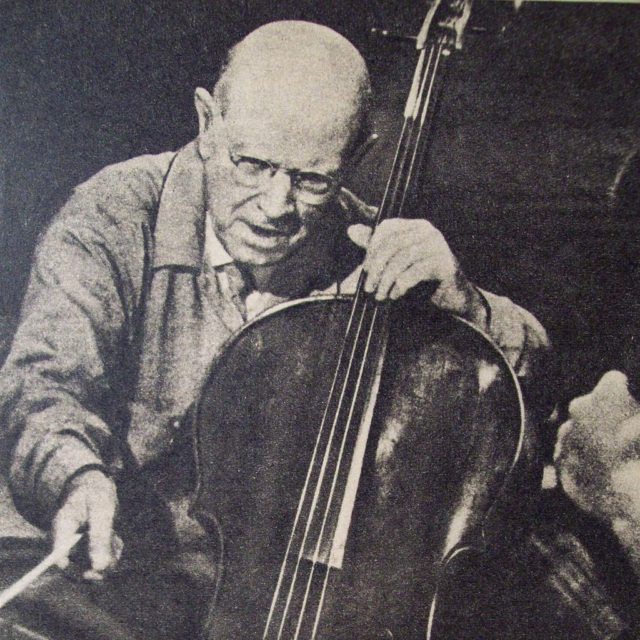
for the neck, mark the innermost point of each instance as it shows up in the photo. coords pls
(295, 275)
(263, 276)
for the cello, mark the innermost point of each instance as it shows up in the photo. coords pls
(353, 457)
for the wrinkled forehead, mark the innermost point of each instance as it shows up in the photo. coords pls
(295, 135)
(309, 110)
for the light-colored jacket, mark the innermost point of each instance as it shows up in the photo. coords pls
(123, 317)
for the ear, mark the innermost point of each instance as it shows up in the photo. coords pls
(206, 108)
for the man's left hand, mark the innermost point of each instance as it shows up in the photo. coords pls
(402, 253)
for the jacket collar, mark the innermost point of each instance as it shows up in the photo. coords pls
(216, 254)
(180, 223)
(183, 234)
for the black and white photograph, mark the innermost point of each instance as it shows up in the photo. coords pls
(319, 320)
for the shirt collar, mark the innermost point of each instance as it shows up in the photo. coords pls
(216, 254)
(180, 223)
(184, 234)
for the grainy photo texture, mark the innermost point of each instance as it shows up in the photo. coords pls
(319, 320)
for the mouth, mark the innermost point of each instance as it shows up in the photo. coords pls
(269, 238)
(270, 232)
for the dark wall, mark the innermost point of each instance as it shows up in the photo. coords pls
(538, 112)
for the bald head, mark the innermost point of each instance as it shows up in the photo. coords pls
(276, 139)
(300, 78)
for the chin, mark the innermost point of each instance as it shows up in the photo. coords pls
(260, 257)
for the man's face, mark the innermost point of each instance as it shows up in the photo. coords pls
(266, 193)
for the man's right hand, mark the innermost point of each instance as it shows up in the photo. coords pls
(91, 502)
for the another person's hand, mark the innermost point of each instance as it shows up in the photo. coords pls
(91, 503)
(597, 458)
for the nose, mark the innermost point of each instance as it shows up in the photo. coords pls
(276, 200)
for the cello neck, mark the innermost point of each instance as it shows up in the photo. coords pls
(441, 32)
(323, 516)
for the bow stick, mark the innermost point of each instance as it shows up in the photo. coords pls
(29, 578)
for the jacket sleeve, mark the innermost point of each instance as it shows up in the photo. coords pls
(526, 346)
(56, 388)
(522, 339)
(519, 335)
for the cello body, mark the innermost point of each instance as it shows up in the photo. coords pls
(445, 436)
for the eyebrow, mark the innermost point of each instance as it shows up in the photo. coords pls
(330, 174)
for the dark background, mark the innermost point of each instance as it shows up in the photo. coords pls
(537, 114)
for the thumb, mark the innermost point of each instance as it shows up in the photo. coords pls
(102, 552)
(349, 285)
(359, 234)
(65, 525)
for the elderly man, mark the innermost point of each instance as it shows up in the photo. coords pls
(153, 263)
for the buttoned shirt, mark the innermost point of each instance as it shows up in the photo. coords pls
(130, 299)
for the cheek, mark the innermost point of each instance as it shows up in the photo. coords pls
(223, 200)
(313, 219)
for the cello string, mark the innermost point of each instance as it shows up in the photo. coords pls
(319, 481)
(425, 110)
(422, 105)
(421, 83)
(349, 423)
(296, 521)
(326, 577)
(316, 495)
(357, 299)
(403, 145)
(341, 358)
(317, 490)
(391, 190)
(334, 481)
(419, 101)
(390, 195)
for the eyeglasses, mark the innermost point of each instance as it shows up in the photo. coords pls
(310, 188)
